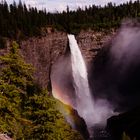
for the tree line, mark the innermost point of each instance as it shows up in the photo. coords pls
(19, 21)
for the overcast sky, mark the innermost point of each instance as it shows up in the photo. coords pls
(59, 5)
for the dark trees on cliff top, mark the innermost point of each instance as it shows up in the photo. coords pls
(18, 21)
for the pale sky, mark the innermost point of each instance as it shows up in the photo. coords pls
(60, 5)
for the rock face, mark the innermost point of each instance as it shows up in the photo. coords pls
(43, 52)
(73, 119)
(91, 42)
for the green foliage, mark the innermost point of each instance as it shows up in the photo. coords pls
(73, 118)
(2, 42)
(15, 75)
(17, 21)
(26, 111)
(50, 123)
(125, 137)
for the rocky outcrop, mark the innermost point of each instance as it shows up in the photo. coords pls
(73, 118)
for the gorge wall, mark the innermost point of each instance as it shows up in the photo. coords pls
(43, 52)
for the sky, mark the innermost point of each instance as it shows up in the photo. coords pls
(60, 5)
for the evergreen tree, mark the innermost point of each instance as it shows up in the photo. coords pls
(26, 111)
(17, 21)
(15, 76)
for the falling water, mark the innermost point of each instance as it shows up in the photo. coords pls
(84, 102)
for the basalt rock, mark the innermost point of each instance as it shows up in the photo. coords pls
(44, 51)
(73, 118)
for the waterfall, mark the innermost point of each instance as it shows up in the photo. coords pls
(84, 102)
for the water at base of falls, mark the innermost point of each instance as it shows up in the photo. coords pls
(92, 112)
(84, 102)
(99, 133)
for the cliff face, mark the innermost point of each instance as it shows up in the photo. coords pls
(43, 52)
(91, 42)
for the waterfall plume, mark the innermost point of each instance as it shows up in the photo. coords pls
(84, 102)
(93, 111)
(70, 85)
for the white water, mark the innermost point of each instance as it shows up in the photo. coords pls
(84, 102)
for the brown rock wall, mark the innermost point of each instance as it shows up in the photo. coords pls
(43, 52)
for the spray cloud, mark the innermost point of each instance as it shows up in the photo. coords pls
(116, 71)
(126, 46)
(94, 112)
(123, 57)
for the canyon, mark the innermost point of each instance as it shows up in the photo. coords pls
(106, 81)
(44, 52)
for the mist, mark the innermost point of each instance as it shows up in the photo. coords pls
(113, 76)
(66, 90)
(62, 80)
(126, 45)
(115, 73)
